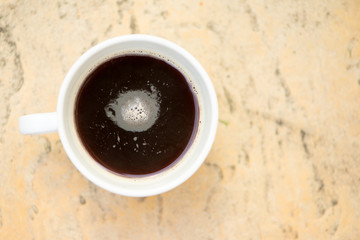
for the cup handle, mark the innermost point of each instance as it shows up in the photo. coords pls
(38, 123)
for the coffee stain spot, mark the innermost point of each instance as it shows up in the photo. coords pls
(319, 192)
(289, 232)
(108, 29)
(211, 26)
(333, 228)
(5, 119)
(94, 42)
(12, 62)
(133, 25)
(253, 19)
(34, 166)
(304, 144)
(243, 158)
(279, 122)
(45, 142)
(269, 117)
(208, 200)
(320, 209)
(251, 84)
(267, 191)
(67, 8)
(82, 200)
(229, 100)
(299, 18)
(35, 209)
(141, 199)
(283, 83)
(46, 145)
(232, 170)
(92, 188)
(61, 11)
(32, 212)
(164, 14)
(217, 169)
(319, 183)
(334, 202)
(351, 46)
(122, 5)
(262, 145)
(96, 197)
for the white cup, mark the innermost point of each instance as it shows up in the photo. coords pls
(63, 119)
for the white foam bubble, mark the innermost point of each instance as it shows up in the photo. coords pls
(134, 111)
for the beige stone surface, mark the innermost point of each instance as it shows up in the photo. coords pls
(286, 160)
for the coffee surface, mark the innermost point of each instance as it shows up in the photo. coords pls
(136, 114)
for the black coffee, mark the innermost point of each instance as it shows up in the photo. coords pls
(136, 114)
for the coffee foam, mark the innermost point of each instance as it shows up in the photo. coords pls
(134, 111)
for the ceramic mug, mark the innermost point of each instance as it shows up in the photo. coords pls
(63, 119)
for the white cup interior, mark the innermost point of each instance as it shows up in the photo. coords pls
(195, 155)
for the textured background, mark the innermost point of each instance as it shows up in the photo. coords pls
(286, 160)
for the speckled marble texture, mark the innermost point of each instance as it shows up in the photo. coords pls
(286, 160)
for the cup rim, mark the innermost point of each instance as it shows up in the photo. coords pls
(211, 129)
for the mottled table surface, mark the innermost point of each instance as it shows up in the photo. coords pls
(286, 159)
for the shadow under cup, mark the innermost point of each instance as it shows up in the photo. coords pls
(191, 160)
